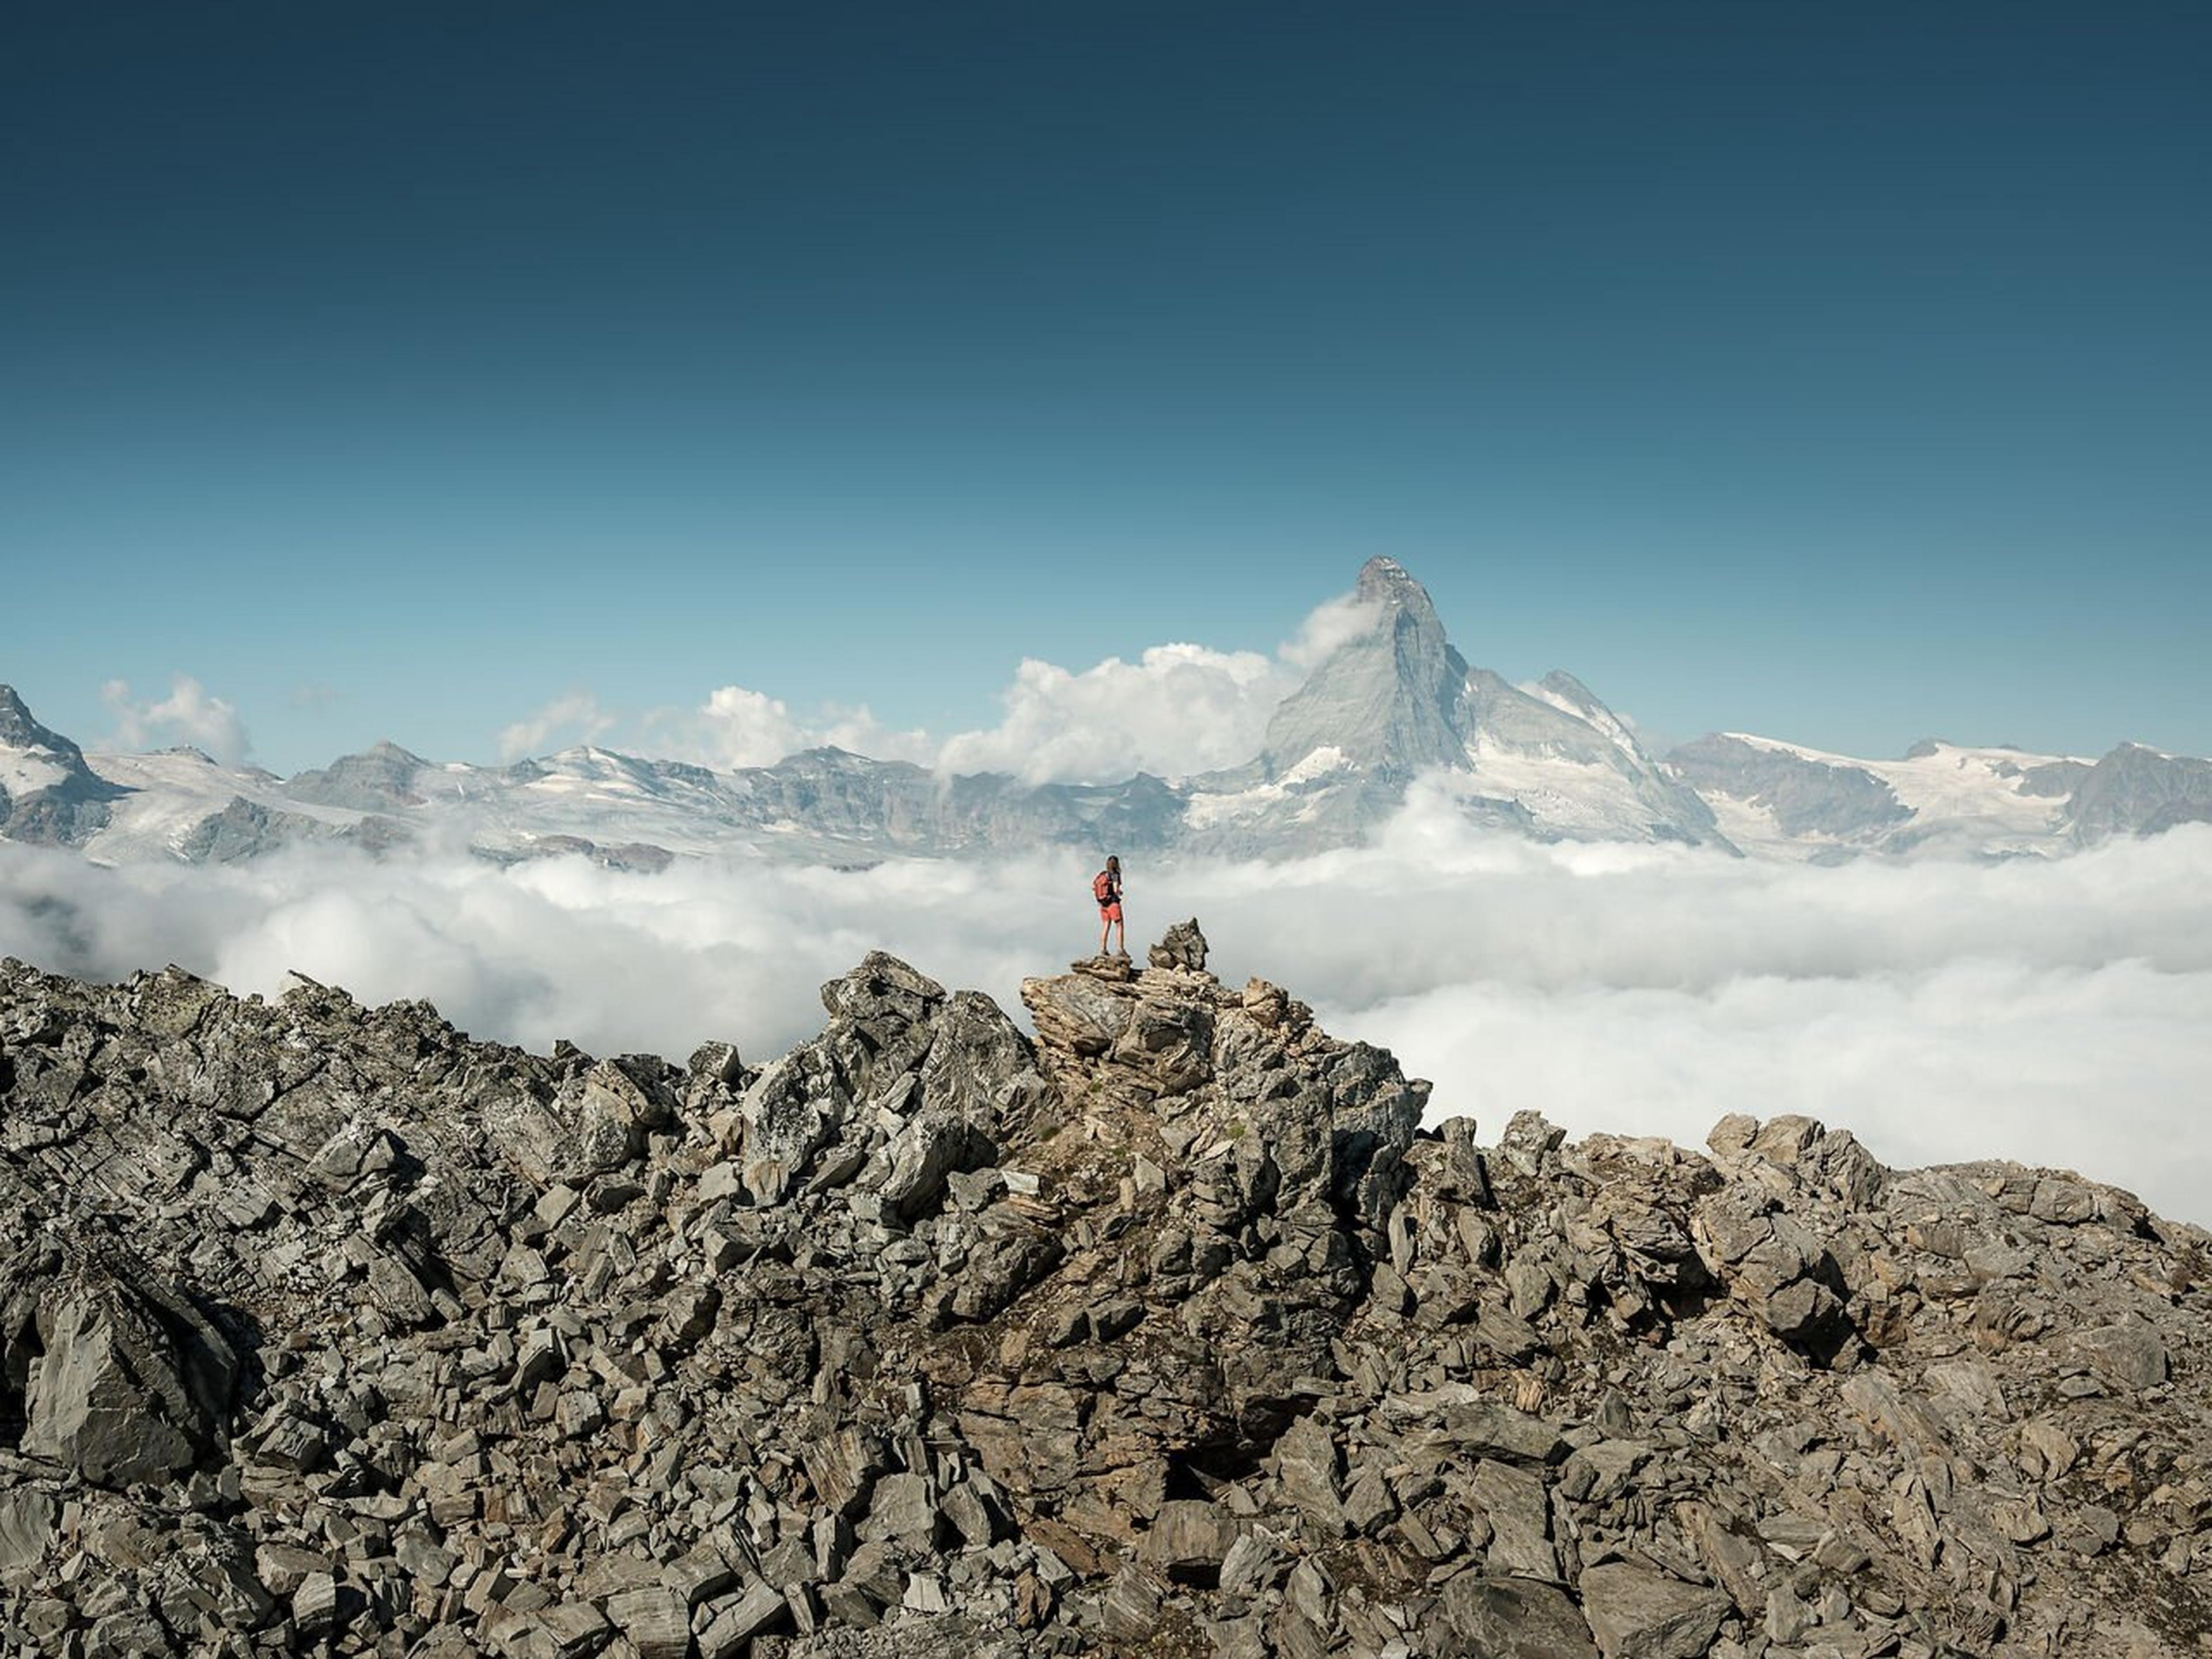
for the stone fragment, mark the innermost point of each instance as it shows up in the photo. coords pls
(1513, 1501)
(1188, 1539)
(718, 1062)
(2128, 1354)
(1306, 1460)
(1502, 1618)
(925, 1593)
(282, 1568)
(571, 1630)
(128, 1382)
(901, 1507)
(1636, 1613)
(1132, 1607)
(1483, 1427)
(28, 1520)
(931, 1145)
(315, 1604)
(736, 1620)
(1253, 1564)
(720, 1181)
(1182, 946)
(654, 1620)
(700, 1573)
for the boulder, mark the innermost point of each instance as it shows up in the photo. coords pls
(123, 1379)
(1636, 1613)
(1506, 1618)
(1182, 946)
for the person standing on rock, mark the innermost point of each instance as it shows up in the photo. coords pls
(1106, 887)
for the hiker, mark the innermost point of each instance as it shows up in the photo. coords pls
(1106, 887)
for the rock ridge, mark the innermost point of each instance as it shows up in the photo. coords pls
(1170, 1329)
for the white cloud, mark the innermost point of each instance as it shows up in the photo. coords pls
(737, 727)
(577, 712)
(1177, 709)
(750, 728)
(1333, 622)
(189, 714)
(2054, 1013)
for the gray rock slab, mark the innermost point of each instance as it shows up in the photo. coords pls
(652, 1618)
(1505, 1618)
(1640, 1614)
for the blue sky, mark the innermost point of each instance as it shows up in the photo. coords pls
(1842, 374)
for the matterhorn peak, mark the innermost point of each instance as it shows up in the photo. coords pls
(1382, 578)
(1384, 698)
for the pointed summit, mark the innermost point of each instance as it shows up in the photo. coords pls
(20, 729)
(1386, 581)
(47, 793)
(1385, 699)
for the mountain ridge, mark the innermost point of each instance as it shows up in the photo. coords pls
(1392, 702)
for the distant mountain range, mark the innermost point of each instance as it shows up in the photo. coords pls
(1395, 703)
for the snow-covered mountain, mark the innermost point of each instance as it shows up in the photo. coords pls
(1392, 703)
(1395, 701)
(1785, 800)
(47, 792)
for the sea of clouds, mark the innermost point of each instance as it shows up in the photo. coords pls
(2058, 1013)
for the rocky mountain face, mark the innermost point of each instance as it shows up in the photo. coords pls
(1170, 1330)
(1804, 798)
(2138, 791)
(1388, 698)
(47, 793)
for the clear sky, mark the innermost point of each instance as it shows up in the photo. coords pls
(1841, 373)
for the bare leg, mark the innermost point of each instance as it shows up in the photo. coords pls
(1105, 931)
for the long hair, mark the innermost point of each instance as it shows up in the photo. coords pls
(1113, 864)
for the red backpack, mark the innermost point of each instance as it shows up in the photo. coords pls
(1101, 887)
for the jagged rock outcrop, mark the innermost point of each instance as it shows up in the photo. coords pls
(1182, 946)
(1170, 1330)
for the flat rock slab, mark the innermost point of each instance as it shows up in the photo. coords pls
(1502, 1618)
(1484, 1427)
(2129, 1354)
(655, 1620)
(1638, 1615)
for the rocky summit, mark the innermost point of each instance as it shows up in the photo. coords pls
(1170, 1330)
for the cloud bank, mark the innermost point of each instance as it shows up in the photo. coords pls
(577, 714)
(1179, 709)
(2054, 1013)
(190, 714)
(737, 728)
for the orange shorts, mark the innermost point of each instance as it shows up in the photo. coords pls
(1110, 912)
